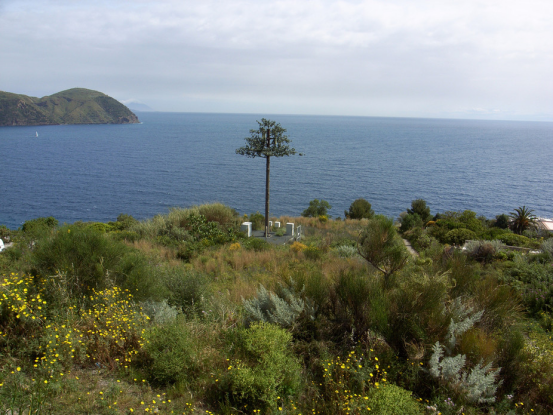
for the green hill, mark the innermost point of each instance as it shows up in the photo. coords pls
(73, 106)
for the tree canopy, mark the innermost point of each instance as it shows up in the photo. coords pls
(316, 208)
(359, 209)
(268, 140)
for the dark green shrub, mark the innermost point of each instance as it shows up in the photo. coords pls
(381, 247)
(37, 228)
(88, 259)
(169, 354)
(359, 209)
(49, 222)
(262, 368)
(502, 221)
(410, 221)
(459, 236)
(317, 208)
(124, 222)
(493, 233)
(258, 221)
(416, 312)
(363, 304)
(513, 239)
(419, 208)
(393, 400)
(187, 289)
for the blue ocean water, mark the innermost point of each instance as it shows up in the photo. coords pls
(96, 172)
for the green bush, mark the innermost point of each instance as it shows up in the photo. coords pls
(419, 208)
(317, 208)
(36, 228)
(363, 304)
(256, 244)
(169, 354)
(359, 209)
(258, 221)
(410, 221)
(123, 222)
(224, 215)
(459, 236)
(381, 247)
(187, 289)
(263, 367)
(512, 239)
(88, 259)
(393, 400)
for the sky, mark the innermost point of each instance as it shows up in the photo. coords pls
(485, 59)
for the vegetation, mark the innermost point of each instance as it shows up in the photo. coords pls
(182, 314)
(316, 209)
(359, 209)
(522, 219)
(73, 106)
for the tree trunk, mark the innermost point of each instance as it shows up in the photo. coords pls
(267, 185)
(267, 197)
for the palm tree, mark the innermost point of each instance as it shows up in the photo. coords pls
(522, 219)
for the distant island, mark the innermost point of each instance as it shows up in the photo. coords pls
(72, 106)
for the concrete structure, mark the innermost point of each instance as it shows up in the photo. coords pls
(290, 229)
(546, 224)
(277, 224)
(246, 227)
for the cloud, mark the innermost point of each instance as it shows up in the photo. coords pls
(362, 57)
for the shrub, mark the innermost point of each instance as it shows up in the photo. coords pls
(224, 215)
(484, 251)
(263, 367)
(359, 209)
(313, 253)
(298, 247)
(188, 289)
(419, 208)
(392, 400)
(380, 246)
(346, 251)
(256, 244)
(88, 259)
(459, 236)
(169, 354)
(37, 228)
(258, 221)
(316, 208)
(123, 222)
(502, 221)
(283, 308)
(513, 239)
(547, 246)
(363, 304)
(410, 221)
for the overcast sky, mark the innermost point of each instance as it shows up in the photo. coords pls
(407, 58)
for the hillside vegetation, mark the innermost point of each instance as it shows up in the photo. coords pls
(73, 106)
(183, 314)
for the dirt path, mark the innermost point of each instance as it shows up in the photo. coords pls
(410, 248)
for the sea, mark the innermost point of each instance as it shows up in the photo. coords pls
(96, 172)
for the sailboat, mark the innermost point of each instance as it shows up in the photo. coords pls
(37, 133)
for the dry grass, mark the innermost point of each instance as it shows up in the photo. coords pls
(155, 250)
